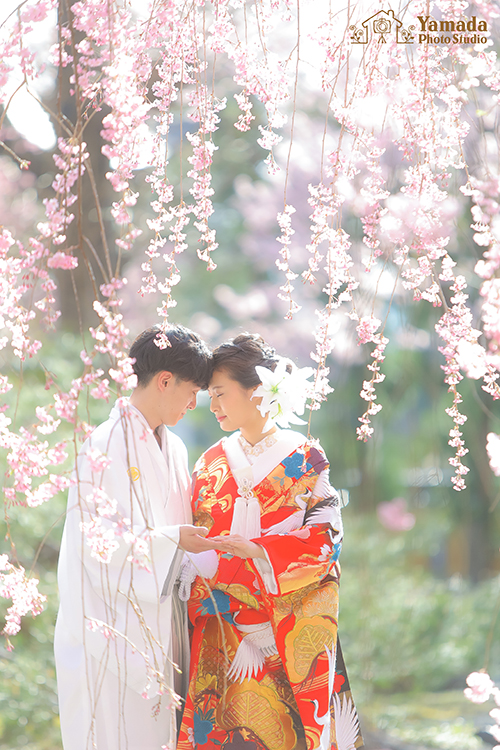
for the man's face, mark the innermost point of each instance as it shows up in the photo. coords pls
(178, 397)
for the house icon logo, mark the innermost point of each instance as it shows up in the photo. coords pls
(382, 27)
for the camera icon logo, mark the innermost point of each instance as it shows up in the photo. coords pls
(379, 27)
(382, 26)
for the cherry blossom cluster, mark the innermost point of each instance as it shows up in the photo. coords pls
(245, 119)
(186, 58)
(365, 328)
(111, 339)
(339, 289)
(454, 325)
(285, 224)
(330, 240)
(26, 267)
(110, 68)
(480, 689)
(432, 268)
(412, 227)
(29, 459)
(23, 591)
(324, 346)
(14, 283)
(71, 164)
(485, 195)
(201, 160)
(176, 34)
(101, 539)
(106, 528)
(15, 55)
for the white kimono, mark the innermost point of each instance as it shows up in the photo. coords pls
(114, 639)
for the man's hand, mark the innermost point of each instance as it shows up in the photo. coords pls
(192, 539)
(239, 546)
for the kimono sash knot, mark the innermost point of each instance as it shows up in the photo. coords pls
(246, 511)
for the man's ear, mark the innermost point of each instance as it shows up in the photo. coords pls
(164, 379)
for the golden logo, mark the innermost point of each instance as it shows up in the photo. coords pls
(134, 473)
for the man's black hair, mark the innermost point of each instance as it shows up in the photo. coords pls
(187, 357)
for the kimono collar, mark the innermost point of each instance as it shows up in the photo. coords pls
(252, 452)
(123, 407)
(287, 442)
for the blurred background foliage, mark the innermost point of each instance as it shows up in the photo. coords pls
(419, 608)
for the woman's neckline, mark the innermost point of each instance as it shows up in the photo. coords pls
(273, 431)
(253, 451)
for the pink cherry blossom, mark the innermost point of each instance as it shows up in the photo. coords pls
(23, 592)
(49, 424)
(97, 461)
(101, 539)
(480, 687)
(366, 328)
(105, 505)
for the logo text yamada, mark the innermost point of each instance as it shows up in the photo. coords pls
(384, 26)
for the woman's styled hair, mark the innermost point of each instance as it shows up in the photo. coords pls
(239, 357)
(187, 357)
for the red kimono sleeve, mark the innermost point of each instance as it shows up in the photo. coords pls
(301, 557)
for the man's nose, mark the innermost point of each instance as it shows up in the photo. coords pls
(192, 403)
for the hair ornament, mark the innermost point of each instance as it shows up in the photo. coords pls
(283, 393)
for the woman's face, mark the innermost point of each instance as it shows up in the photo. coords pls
(232, 404)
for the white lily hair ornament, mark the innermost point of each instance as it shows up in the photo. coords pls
(284, 394)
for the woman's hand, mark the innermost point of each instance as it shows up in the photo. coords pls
(191, 539)
(239, 546)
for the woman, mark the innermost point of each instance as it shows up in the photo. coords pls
(266, 670)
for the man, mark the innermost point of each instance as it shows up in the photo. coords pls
(117, 632)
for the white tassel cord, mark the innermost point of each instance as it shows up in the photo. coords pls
(246, 511)
(246, 516)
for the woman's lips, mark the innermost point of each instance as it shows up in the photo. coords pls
(219, 419)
